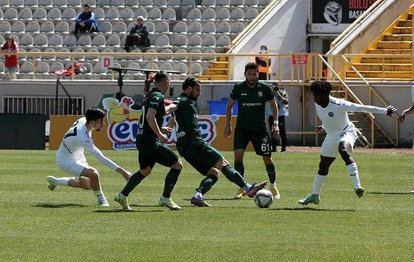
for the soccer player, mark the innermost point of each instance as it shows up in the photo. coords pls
(70, 156)
(252, 96)
(340, 136)
(150, 144)
(198, 153)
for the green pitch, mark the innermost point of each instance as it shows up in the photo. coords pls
(65, 225)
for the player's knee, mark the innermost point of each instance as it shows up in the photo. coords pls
(146, 171)
(178, 165)
(84, 183)
(213, 172)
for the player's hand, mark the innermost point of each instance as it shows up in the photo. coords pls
(319, 130)
(163, 138)
(227, 131)
(402, 117)
(391, 110)
(275, 130)
(167, 130)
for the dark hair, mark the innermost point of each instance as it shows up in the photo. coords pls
(321, 87)
(86, 5)
(263, 46)
(190, 81)
(94, 113)
(250, 65)
(160, 77)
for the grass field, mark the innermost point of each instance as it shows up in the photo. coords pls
(65, 225)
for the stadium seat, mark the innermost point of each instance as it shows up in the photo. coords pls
(160, 3)
(196, 69)
(236, 28)
(2, 68)
(181, 58)
(137, 57)
(151, 58)
(97, 69)
(35, 50)
(18, 27)
(31, 3)
(208, 14)
(188, 3)
(236, 2)
(54, 14)
(209, 3)
(5, 27)
(223, 41)
(166, 57)
(103, 3)
(169, 14)
(180, 28)
(99, 41)
(74, 3)
(166, 66)
(132, 3)
(194, 41)
(147, 3)
(174, 3)
(84, 41)
(99, 14)
(224, 3)
(55, 41)
(62, 50)
(152, 66)
(209, 58)
(237, 14)
(55, 66)
(126, 14)
(182, 67)
(5, 3)
(105, 27)
(69, 14)
(195, 51)
(45, 3)
(251, 14)
(194, 14)
(10, 14)
(263, 2)
(113, 41)
(223, 14)
(93, 57)
(39, 14)
(79, 50)
(117, 3)
(223, 28)
(151, 27)
(195, 28)
(25, 14)
(1, 14)
(32, 27)
(59, 3)
(26, 67)
(209, 41)
(47, 27)
(141, 12)
(162, 41)
(209, 28)
(162, 27)
(91, 3)
(62, 27)
(112, 14)
(119, 27)
(154, 14)
(40, 40)
(17, 3)
(180, 41)
(69, 40)
(42, 68)
(22, 58)
(49, 58)
(250, 3)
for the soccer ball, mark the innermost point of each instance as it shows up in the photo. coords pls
(263, 198)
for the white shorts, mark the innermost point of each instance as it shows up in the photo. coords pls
(74, 167)
(330, 144)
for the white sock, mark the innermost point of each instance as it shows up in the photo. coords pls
(198, 194)
(272, 184)
(62, 181)
(353, 173)
(318, 184)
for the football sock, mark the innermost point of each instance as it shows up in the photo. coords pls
(353, 173)
(271, 173)
(132, 183)
(206, 184)
(98, 193)
(318, 183)
(239, 168)
(234, 176)
(170, 181)
(62, 181)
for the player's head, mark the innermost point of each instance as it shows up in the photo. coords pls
(94, 117)
(192, 87)
(251, 72)
(161, 81)
(320, 91)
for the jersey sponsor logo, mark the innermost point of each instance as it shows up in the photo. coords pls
(331, 114)
(260, 93)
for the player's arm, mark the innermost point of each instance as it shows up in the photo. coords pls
(389, 110)
(152, 122)
(406, 111)
(229, 109)
(275, 113)
(170, 108)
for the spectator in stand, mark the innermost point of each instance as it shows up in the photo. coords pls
(9, 50)
(264, 64)
(85, 22)
(138, 36)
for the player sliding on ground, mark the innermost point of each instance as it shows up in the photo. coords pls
(340, 136)
(71, 159)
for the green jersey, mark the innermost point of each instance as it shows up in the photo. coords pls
(154, 99)
(186, 126)
(251, 102)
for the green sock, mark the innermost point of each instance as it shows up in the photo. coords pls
(207, 183)
(133, 181)
(271, 173)
(234, 176)
(239, 168)
(170, 181)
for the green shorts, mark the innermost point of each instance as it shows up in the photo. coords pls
(155, 152)
(201, 156)
(261, 141)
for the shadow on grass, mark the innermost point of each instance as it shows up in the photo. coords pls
(389, 193)
(49, 205)
(136, 208)
(314, 209)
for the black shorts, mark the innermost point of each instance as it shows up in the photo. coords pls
(155, 152)
(260, 139)
(202, 156)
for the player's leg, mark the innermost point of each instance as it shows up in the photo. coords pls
(93, 176)
(205, 185)
(282, 132)
(240, 143)
(345, 147)
(269, 127)
(74, 168)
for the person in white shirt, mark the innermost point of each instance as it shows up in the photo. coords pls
(340, 136)
(71, 159)
(409, 110)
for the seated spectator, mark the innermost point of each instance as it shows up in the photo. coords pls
(85, 22)
(138, 36)
(9, 50)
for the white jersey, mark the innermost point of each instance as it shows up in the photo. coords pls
(335, 118)
(76, 140)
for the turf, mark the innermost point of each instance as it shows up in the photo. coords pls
(64, 225)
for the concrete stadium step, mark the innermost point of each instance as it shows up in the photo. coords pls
(213, 77)
(380, 74)
(397, 37)
(394, 44)
(387, 60)
(401, 30)
(404, 23)
(380, 67)
(389, 51)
